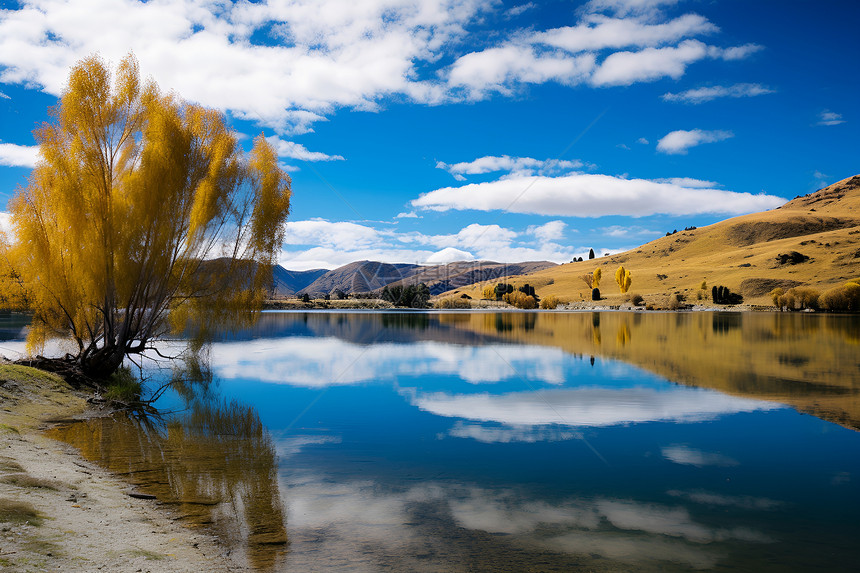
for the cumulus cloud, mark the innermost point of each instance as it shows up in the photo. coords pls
(293, 150)
(629, 7)
(678, 142)
(317, 55)
(598, 33)
(592, 195)
(521, 165)
(625, 68)
(287, 65)
(552, 231)
(18, 155)
(701, 95)
(409, 215)
(4, 96)
(828, 117)
(500, 69)
(571, 55)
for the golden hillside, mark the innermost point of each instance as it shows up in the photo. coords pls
(740, 253)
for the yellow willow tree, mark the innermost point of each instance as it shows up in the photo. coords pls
(623, 277)
(143, 215)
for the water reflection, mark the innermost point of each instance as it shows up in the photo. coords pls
(215, 463)
(520, 441)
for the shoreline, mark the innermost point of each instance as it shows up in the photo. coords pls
(60, 512)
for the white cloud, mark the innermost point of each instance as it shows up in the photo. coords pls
(520, 165)
(499, 69)
(552, 231)
(629, 7)
(642, 141)
(828, 117)
(324, 53)
(701, 95)
(321, 55)
(599, 33)
(592, 195)
(339, 234)
(449, 255)
(736, 52)
(625, 68)
(292, 150)
(18, 155)
(4, 96)
(686, 455)
(409, 215)
(678, 142)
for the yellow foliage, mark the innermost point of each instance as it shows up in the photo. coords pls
(843, 298)
(596, 277)
(550, 302)
(797, 298)
(489, 292)
(623, 278)
(140, 204)
(520, 300)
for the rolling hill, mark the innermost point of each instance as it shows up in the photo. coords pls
(360, 276)
(742, 253)
(441, 278)
(288, 283)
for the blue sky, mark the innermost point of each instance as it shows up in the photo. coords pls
(429, 131)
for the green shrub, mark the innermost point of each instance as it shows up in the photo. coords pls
(123, 386)
(722, 295)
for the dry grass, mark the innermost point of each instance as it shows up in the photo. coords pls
(28, 481)
(18, 512)
(739, 253)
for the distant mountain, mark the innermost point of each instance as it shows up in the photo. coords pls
(441, 278)
(289, 283)
(361, 276)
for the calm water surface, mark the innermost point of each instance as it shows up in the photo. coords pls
(515, 441)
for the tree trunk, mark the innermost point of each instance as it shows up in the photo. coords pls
(104, 362)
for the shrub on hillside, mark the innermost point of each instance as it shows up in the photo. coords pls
(842, 298)
(520, 300)
(550, 302)
(722, 295)
(797, 298)
(636, 299)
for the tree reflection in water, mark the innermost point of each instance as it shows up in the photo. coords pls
(215, 462)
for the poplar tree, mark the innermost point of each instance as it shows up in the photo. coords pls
(623, 278)
(142, 216)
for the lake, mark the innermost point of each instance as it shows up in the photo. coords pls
(512, 441)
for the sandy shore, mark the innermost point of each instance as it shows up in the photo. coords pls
(59, 512)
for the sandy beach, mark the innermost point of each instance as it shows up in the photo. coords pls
(59, 512)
